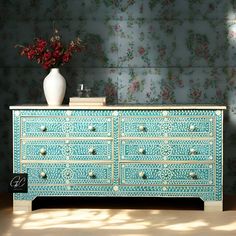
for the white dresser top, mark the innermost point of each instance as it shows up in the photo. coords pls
(121, 107)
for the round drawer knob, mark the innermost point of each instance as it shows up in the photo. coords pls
(42, 174)
(141, 174)
(115, 188)
(91, 151)
(91, 128)
(141, 150)
(192, 127)
(192, 151)
(91, 174)
(43, 128)
(42, 151)
(193, 175)
(141, 128)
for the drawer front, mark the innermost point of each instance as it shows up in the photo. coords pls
(167, 174)
(167, 127)
(174, 150)
(66, 127)
(61, 174)
(86, 150)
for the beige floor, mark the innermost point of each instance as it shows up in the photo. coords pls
(165, 218)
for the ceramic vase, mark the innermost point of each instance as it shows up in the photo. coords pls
(54, 86)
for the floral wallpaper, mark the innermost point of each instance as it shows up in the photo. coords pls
(138, 51)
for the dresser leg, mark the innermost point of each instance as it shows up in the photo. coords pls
(22, 205)
(213, 206)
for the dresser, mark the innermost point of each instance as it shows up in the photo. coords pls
(119, 151)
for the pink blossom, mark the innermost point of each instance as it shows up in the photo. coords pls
(134, 86)
(196, 94)
(165, 94)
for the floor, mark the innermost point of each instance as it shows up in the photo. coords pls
(117, 217)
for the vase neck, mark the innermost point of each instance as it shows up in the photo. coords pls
(54, 70)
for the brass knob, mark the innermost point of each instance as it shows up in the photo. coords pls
(192, 127)
(91, 174)
(141, 150)
(42, 151)
(91, 128)
(43, 128)
(43, 174)
(141, 174)
(91, 150)
(141, 128)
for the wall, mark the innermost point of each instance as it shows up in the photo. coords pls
(138, 51)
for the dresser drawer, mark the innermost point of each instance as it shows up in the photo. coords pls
(174, 150)
(48, 150)
(66, 127)
(57, 174)
(167, 127)
(166, 174)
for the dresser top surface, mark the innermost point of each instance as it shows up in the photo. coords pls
(120, 107)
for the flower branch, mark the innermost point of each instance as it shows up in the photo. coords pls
(52, 53)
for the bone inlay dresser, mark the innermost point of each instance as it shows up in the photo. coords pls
(119, 151)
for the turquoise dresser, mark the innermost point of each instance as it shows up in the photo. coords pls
(120, 151)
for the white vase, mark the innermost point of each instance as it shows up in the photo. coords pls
(54, 86)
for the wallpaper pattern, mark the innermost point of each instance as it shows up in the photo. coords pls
(138, 51)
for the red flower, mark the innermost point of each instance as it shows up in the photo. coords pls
(47, 64)
(47, 55)
(56, 54)
(66, 57)
(56, 45)
(41, 45)
(31, 53)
